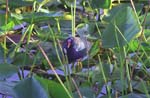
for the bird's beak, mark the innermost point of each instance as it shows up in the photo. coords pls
(69, 44)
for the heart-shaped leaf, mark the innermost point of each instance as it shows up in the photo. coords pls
(7, 70)
(36, 87)
(123, 26)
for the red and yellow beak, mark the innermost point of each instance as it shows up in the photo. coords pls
(68, 44)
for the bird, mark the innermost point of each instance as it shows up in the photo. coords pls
(74, 48)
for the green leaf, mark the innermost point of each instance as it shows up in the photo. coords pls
(116, 73)
(29, 88)
(2, 57)
(112, 13)
(142, 86)
(8, 26)
(147, 33)
(133, 45)
(54, 89)
(107, 96)
(134, 95)
(106, 4)
(2, 17)
(122, 28)
(37, 16)
(22, 59)
(97, 77)
(7, 70)
(146, 19)
(36, 87)
(98, 74)
(1, 54)
(120, 85)
(19, 3)
(94, 49)
(85, 92)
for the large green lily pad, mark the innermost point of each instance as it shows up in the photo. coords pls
(123, 26)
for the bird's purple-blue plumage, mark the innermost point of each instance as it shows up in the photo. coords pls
(77, 49)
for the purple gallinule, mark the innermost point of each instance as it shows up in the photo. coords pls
(74, 48)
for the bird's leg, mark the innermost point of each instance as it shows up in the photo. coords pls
(79, 67)
(73, 67)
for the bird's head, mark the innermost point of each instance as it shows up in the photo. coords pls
(69, 42)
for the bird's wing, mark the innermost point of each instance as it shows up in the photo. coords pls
(78, 44)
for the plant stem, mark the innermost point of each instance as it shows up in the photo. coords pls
(105, 78)
(51, 66)
(73, 12)
(6, 21)
(78, 91)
